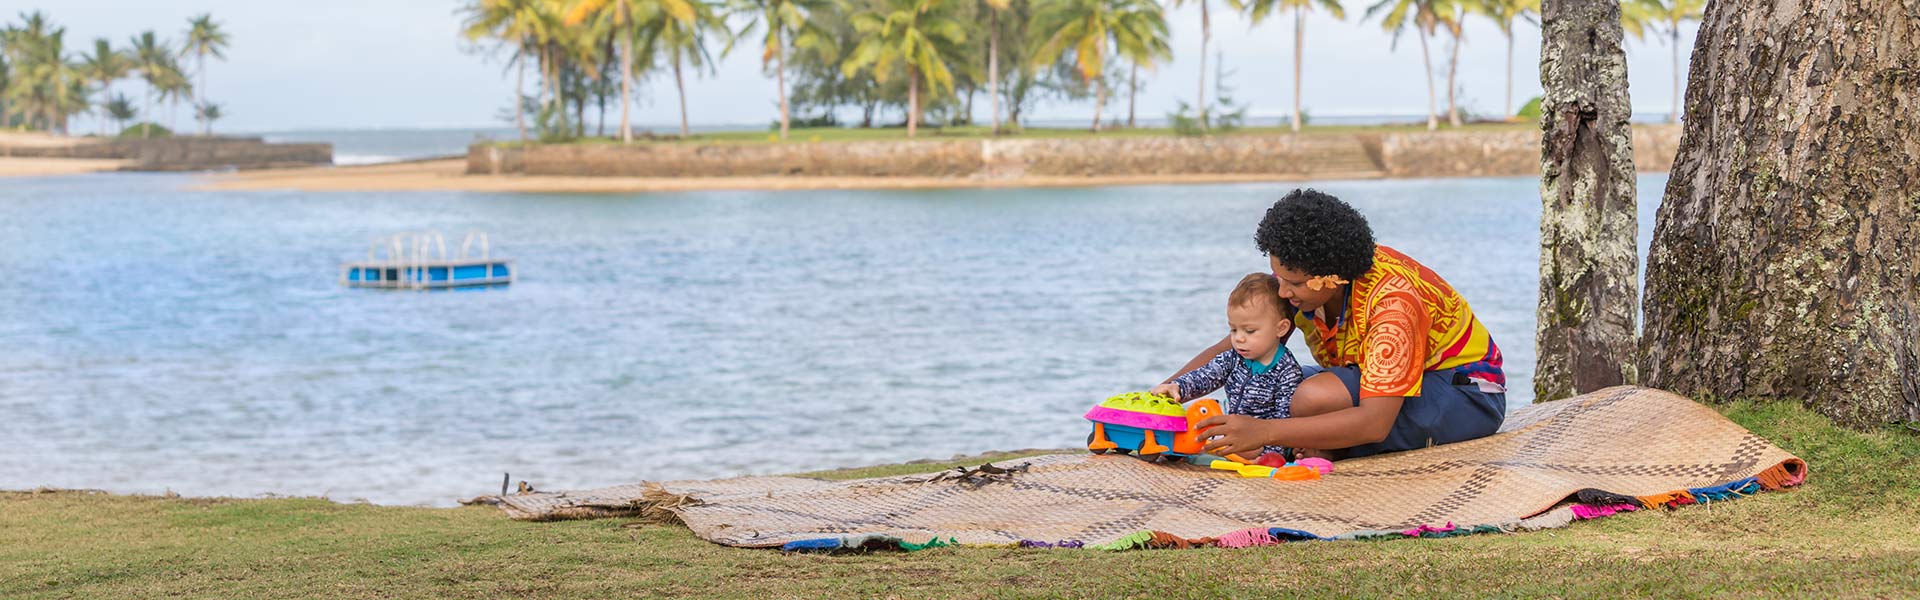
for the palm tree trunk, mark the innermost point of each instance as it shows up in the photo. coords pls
(681, 83)
(1453, 67)
(913, 101)
(780, 73)
(519, 95)
(1674, 117)
(1433, 122)
(1299, 48)
(993, 65)
(1206, 33)
(626, 81)
(206, 125)
(1509, 113)
(1133, 90)
(147, 132)
(1099, 101)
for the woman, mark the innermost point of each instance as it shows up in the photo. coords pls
(1403, 362)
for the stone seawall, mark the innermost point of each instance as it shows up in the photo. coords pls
(185, 153)
(1439, 154)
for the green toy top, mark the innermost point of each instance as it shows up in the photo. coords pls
(1143, 402)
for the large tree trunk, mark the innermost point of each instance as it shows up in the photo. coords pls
(993, 66)
(1786, 256)
(206, 125)
(1588, 220)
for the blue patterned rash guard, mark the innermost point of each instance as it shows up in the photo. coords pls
(1266, 395)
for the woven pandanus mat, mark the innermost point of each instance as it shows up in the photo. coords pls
(1624, 441)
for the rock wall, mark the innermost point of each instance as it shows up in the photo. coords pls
(1439, 154)
(185, 153)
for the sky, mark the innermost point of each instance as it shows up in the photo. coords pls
(401, 64)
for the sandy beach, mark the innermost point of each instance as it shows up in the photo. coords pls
(449, 174)
(47, 167)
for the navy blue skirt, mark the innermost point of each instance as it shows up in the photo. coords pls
(1443, 413)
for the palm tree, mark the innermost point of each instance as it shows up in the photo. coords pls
(677, 31)
(104, 67)
(1452, 15)
(1665, 18)
(616, 16)
(1421, 14)
(1206, 33)
(1092, 29)
(207, 112)
(520, 24)
(120, 109)
(1259, 10)
(172, 87)
(917, 35)
(204, 37)
(151, 58)
(786, 20)
(994, 8)
(45, 85)
(6, 80)
(1503, 13)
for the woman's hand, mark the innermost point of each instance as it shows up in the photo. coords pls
(1170, 390)
(1233, 434)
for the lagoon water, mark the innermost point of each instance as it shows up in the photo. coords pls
(154, 338)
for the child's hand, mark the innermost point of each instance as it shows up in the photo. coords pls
(1233, 434)
(1170, 390)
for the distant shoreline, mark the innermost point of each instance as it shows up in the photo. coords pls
(450, 175)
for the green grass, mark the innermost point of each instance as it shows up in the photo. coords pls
(844, 134)
(1849, 532)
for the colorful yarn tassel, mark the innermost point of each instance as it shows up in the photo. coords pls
(936, 542)
(1132, 541)
(1783, 475)
(1595, 511)
(1246, 538)
(1719, 493)
(1667, 500)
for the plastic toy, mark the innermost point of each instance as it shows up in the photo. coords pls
(1155, 427)
(1291, 472)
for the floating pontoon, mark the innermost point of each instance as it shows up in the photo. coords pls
(419, 261)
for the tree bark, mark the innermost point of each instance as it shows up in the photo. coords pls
(1786, 255)
(1588, 220)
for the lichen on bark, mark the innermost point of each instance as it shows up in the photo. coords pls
(1588, 219)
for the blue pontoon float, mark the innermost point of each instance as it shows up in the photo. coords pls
(419, 261)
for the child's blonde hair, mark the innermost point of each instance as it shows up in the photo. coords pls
(1256, 286)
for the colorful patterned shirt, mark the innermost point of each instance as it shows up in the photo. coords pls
(1264, 395)
(1401, 321)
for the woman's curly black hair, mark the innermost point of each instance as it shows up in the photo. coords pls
(1317, 234)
